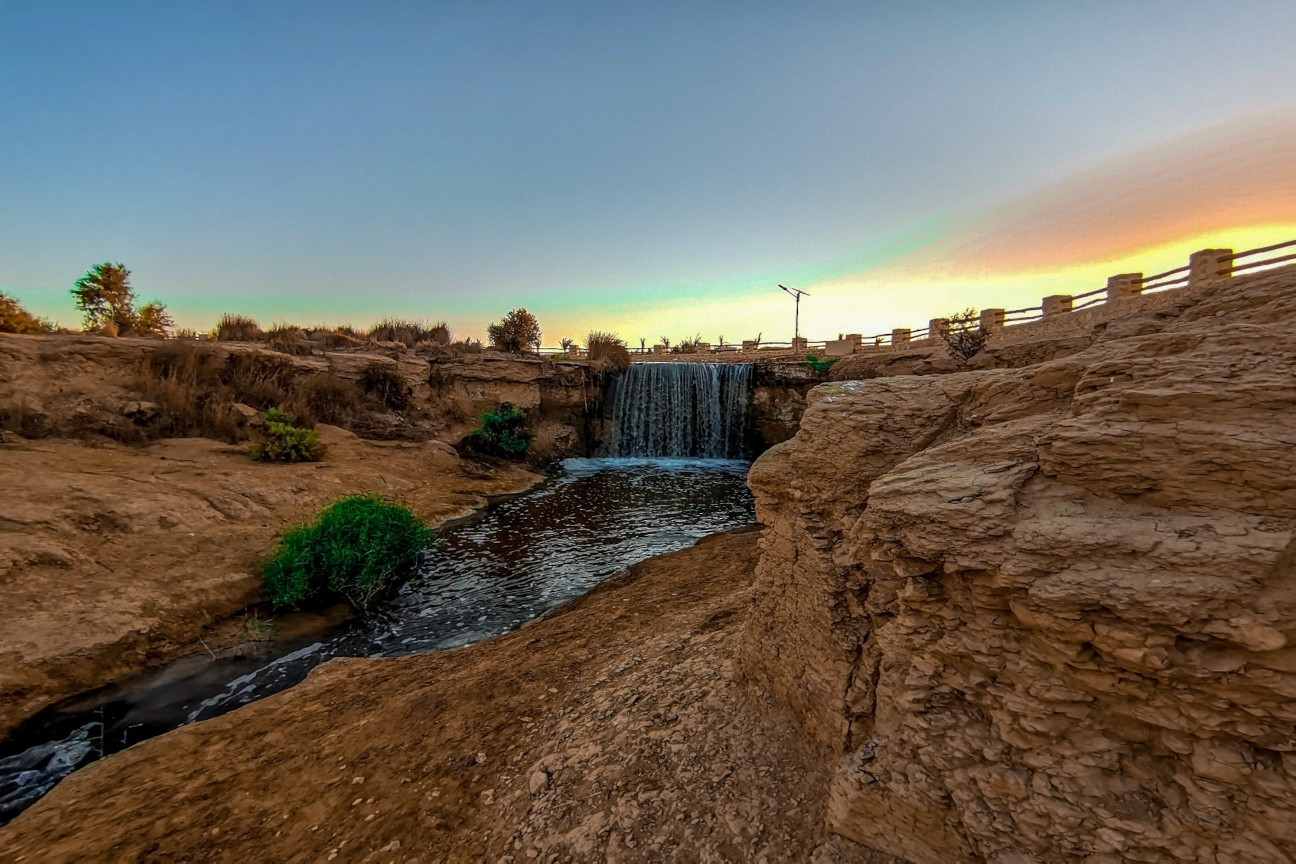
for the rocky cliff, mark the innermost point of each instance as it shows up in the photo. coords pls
(1046, 613)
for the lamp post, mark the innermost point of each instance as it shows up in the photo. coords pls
(796, 295)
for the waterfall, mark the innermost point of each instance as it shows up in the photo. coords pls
(679, 409)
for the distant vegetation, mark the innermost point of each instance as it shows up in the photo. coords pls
(286, 441)
(502, 433)
(410, 333)
(821, 366)
(965, 337)
(107, 304)
(195, 386)
(15, 319)
(687, 345)
(516, 332)
(237, 328)
(607, 352)
(359, 549)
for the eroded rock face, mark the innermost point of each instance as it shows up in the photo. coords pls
(1049, 613)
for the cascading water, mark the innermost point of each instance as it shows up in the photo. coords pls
(679, 409)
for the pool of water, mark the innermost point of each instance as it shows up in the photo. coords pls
(494, 571)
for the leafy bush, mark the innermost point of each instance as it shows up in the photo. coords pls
(15, 319)
(359, 548)
(965, 337)
(516, 332)
(107, 302)
(821, 366)
(238, 328)
(502, 433)
(607, 352)
(288, 441)
(384, 382)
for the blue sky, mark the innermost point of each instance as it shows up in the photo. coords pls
(649, 168)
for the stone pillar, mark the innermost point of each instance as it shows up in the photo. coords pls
(750, 345)
(855, 339)
(660, 349)
(799, 344)
(1209, 265)
(1124, 286)
(991, 318)
(900, 336)
(1056, 304)
(937, 327)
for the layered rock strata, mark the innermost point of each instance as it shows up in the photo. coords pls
(1047, 613)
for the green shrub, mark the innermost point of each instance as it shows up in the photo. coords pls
(359, 548)
(820, 366)
(288, 441)
(502, 433)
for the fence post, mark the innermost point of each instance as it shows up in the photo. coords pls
(1209, 265)
(992, 318)
(1124, 286)
(937, 327)
(900, 335)
(1056, 304)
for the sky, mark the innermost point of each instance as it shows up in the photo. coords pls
(646, 168)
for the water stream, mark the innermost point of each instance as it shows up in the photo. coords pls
(495, 571)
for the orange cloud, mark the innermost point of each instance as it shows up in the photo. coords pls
(1231, 177)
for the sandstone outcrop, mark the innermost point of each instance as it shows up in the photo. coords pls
(1048, 613)
(116, 558)
(91, 386)
(610, 730)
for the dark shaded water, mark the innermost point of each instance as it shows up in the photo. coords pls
(495, 571)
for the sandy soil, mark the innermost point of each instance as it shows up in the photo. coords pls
(116, 558)
(610, 730)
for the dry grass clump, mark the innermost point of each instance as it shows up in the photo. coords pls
(332, 338)
(15, 319)
(384, 384)
(289, 339)
(607, 352)
(410, 333)
(196, 385)
(238, 328)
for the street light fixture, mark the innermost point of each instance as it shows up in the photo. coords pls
(796, 295)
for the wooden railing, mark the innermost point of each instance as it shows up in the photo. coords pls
(1205, 267)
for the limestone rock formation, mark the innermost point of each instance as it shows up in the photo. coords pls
(1048, 613)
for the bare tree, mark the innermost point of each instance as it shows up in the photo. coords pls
(965, 337)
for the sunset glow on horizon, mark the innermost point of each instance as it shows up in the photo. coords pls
(652, 171)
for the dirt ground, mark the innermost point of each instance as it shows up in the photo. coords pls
(611, 730)
(115, 558)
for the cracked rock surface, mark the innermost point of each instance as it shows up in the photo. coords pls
(1049, 613)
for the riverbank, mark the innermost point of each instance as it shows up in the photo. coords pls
(612, 728)
(116, 558)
